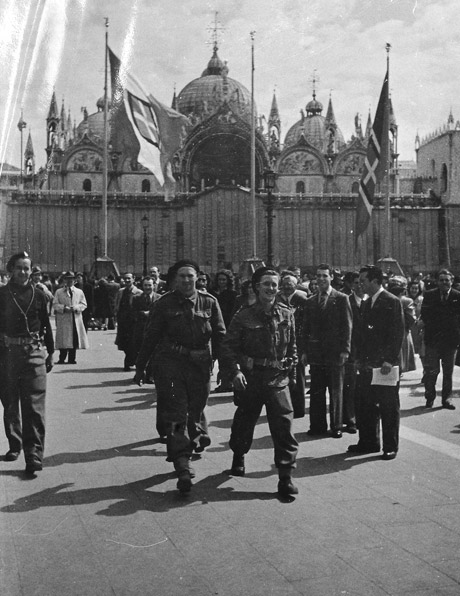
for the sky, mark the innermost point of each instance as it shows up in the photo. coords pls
(59, 44)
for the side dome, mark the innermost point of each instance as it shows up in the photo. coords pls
(321, 132)
(93, 124)
(203, 96)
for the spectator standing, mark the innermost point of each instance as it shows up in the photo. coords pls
(159, 285)
(379, 348)
(441, 317)
(125, 320)
(326, 348)
(357, 303)
(296, 300)
(68, 305)
(24, 329)
(142, 304)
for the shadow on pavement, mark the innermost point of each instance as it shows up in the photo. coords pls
(137, 496)
(128, 450)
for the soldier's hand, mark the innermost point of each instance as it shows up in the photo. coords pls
(239, 381)
(386, 368)
(304, 358)
(139, 377)
(49, 363)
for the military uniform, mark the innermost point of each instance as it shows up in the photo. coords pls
(262, 345)
(183, 334)
(24, 328)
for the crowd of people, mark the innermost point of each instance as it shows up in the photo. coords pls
(351, 334)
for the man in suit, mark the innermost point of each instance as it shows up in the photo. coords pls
(356, 297)
(380, 343)
(326, 347)
(159, 285)
(125, 319)
(441, 316)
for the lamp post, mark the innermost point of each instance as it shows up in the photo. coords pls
(145, 241)
(73, 257)
(269, 182)
(96, 254)
(21, 127)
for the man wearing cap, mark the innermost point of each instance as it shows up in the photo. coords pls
(183, 334)
(24, 330)
(259, 354)
(69, 303)
(36, 279)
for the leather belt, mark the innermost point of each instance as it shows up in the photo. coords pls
(18, 341)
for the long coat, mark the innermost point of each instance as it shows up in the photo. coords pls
(65, 320)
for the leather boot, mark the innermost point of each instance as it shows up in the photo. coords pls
(286, 487)
(237, 468)
(184, 477)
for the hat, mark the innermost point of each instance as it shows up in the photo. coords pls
(68, 274)
(36, 270)
(184, 263)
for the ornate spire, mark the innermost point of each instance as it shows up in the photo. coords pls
(368, 125)
(53, 113)
(63, 117)
(29, 147)
(330, 116)
(174, 99)
(274, 112)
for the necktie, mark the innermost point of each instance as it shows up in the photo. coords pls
(443, 298)
(322, 300)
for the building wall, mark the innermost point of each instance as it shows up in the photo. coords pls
(432, 155)
(215, 228)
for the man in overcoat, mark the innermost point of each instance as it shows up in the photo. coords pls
(68, 305)
(125, 319)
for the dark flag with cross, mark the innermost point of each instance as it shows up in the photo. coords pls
(375, 163)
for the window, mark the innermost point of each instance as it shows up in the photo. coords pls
(87, 185)
(300, 187)
(355, 188)
(444, 178)
(146, 185)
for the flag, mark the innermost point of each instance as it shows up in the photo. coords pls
(142, 123)
(375, 163)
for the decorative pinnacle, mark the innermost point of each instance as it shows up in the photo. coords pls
(215, 30)
(314, 79)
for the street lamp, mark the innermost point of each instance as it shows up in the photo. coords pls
(269, 183)
(72, 246)
(96, 254)
(145, 241)
(21, 127)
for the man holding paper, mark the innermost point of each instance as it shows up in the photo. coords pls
(378, 362)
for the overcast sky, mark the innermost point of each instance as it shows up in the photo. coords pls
(59, 44)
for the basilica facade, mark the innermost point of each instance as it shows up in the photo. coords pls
(208, 214)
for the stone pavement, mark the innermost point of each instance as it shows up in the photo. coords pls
(104, 517)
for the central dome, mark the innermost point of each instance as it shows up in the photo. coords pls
(202, 97)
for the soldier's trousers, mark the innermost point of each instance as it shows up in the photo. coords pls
(183, 388)
(278, 405)
(23, 394)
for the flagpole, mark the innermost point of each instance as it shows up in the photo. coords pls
(253, 153)
(387, 246)
(105, 152)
